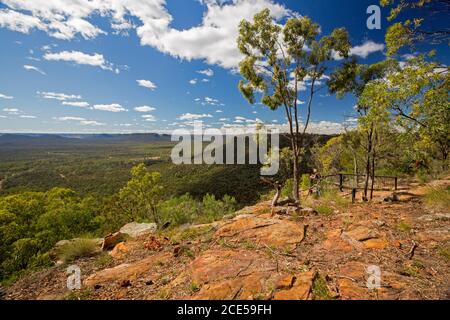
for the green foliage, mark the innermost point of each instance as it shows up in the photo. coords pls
(104, 260)
(32, 222)
(438, 198)
(445, 252)
(76, 249)
(142, 195)
(421, 106)
(212, 209)
(324, 210)
(320, 289)
(179, 210)
(276, 63)
(414, 30)
(305, 182)
(404, 226)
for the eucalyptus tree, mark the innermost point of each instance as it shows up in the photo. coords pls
(280, 62)
(354, 78)
(417, 96)
(426, 23)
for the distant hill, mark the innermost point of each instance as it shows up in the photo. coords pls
(42, 139)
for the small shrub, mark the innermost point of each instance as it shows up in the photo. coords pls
(79, 295)
(193, 287)
(77, 249)
(445, 252)
(179, 210)
(422, 176)
(287, 189)
(103, 261)
(305, 182)
(438, 198)
(324, 210)
(320, 289)
(404, 227)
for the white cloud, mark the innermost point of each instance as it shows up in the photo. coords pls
(362, 51)
(27, 117)
(191, 116)
(209, 101)
(114, 107)
(219, 111)
(91, 123)
(70, 119)
(12, 111)
(95, 60)
(193, 81)
(61, 19)
(149, 117)
(3, 96)
(79, 104)
(207, 72)
(58, 96)
(366, 48)
(147, 84)
(33, 68)
(144, 109)
(81, 121)
(19, 22)
(213, 40)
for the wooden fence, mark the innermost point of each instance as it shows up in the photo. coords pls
(353, 182)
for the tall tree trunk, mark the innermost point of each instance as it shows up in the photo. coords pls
(373, 173)
(368, 154)
(373, 164)
(296, 182)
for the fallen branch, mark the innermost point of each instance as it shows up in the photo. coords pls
(412, 250)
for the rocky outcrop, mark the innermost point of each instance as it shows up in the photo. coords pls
(275, 233)
(134, 229)
(111, 240)
(127, 271)
(254, 255)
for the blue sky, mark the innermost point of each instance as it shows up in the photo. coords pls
(149, 66)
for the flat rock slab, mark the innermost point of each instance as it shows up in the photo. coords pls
(128, 271)
(435, 235)
(134, 229)
(246, 275)
(214, 265)
(275, 233)
(300, 288)
(361, 233)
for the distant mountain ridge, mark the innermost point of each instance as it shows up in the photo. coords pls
(7, 138)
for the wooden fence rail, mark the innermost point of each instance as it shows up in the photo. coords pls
(342, 176)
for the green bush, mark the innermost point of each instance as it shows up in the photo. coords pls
(305, 182)
(76, 249)
(287, 189)
(438, 198)
(179, 210)
(212, 209)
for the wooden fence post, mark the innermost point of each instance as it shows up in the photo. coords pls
(353, 195)
(341, 182)
(395, 183)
